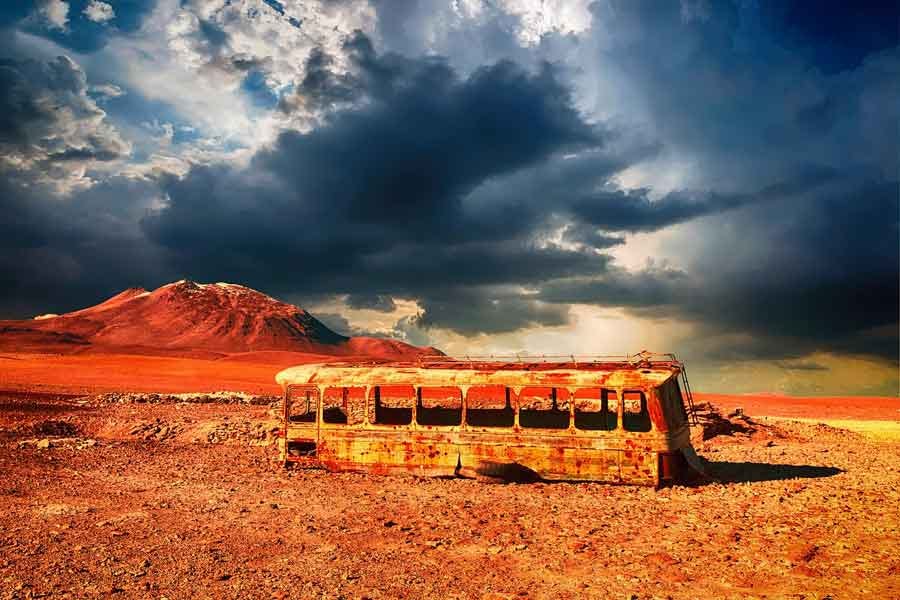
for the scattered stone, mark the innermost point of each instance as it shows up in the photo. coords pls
(55, 429)
(221, 397)
(802, 552)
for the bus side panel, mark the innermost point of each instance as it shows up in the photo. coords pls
(515, 457)
(640, 465)
(377, 451)
(553, 458)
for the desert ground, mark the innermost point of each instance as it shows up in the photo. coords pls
(137, 495)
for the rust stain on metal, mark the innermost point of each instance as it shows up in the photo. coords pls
(616, 421)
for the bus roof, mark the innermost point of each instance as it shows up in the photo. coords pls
(444, 371)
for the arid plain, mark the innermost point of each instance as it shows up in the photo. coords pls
(124, 476)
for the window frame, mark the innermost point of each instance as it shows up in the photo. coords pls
(617, 428)
(568, 428)
(345, 392)
(418, 403)
(645, 409)
(370, 402)
(290, 390)
(513, 404)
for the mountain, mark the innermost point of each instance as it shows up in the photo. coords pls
(218, 318)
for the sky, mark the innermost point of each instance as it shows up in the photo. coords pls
(714, 179)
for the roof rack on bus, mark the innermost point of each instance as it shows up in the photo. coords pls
(644, 358)
(640, 358)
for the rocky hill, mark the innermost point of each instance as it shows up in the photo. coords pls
(187, 316)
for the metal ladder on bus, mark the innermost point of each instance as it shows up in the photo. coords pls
(689, 396)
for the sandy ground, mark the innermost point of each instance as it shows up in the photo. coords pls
(185, 501)
(857, 408)
(97, 373)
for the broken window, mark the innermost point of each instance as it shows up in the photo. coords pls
(343, 405)
(298, 448)
(392, 404)
(489, 406)
(334, 406)
(441, 406)
(635, 416)
(302, 405)
(596, 409)
(544, 408)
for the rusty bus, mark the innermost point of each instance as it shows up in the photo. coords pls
(617, 421)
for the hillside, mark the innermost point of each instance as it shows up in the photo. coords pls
(192, 319)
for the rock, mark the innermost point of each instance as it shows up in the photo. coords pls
(43, 444)
(802, 552)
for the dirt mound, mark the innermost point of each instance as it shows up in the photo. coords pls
(217, 317)
(156, 430)
(244, 432)
(713, 424)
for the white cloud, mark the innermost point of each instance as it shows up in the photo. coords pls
(250, 32)
(60, 133)
(54, 13)
(99, 12)
(194, 56)
(544, 16)
(536, 17)
(107, 90)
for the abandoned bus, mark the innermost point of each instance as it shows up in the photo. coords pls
(616, 421)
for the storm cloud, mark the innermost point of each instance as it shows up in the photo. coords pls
(372, 201)
(492, 167)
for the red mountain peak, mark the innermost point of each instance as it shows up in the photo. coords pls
(218, 317)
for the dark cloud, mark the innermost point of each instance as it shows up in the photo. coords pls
(836, 35)
(379, 302)
(817, 274)
(801, 365)
(654, 287)
(734, 97)
(374, 198)
(58, 254)
(474, 311)
(336, 322)
(321, 87)
(448, 189)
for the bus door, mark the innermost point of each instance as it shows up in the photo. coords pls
(302, 420)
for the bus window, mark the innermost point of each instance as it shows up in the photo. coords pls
(489, 406)
(544, 408)
(392, 404)
(596, 409)
(440, 406)
(334, 406)
(343, 405)
(302, 406)
(634, 414)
